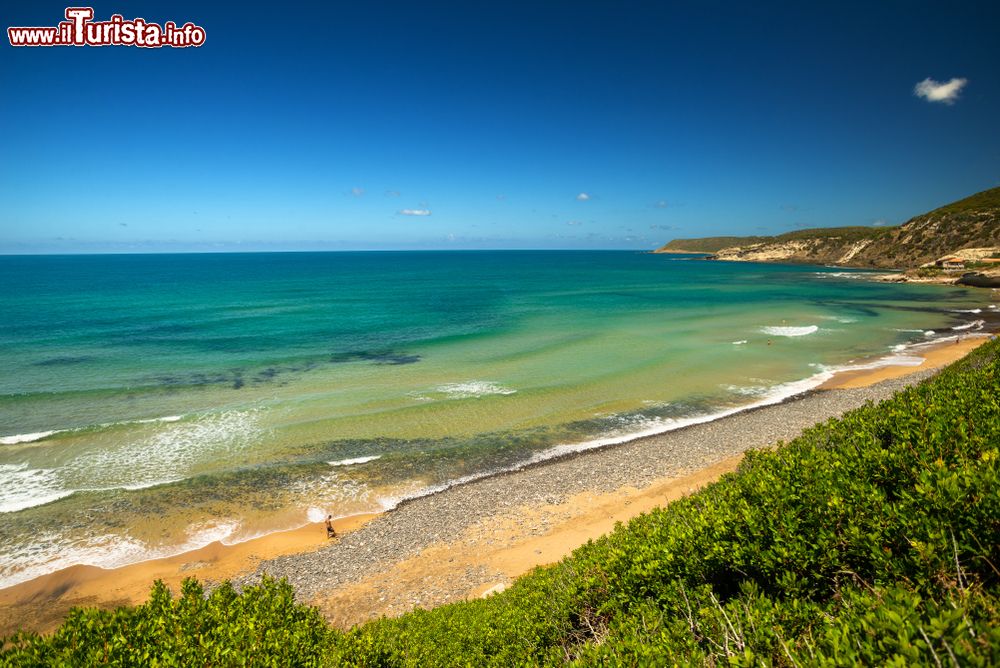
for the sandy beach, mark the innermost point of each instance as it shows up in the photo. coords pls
(476, 538)
(935, 356)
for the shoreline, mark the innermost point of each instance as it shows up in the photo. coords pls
(935, 354)
(41, 603)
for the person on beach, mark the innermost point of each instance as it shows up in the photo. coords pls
(330, 531)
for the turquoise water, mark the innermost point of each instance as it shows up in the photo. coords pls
(150, 404)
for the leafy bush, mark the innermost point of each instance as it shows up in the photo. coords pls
(263, 626)
(871, 539)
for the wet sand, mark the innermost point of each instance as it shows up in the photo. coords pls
(485, 555)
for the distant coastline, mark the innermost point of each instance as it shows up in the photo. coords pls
(960, 237)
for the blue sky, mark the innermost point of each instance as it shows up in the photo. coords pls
(512, 125)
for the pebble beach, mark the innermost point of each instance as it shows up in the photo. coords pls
(446, 517)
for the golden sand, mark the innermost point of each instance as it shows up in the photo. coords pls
(935, 356)
(41, 604)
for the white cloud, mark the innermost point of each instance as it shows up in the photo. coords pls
(415, 212)
(661, 204)
(358, 192)
(573, 222)
(881, 222)
(935, 91)
(583, 197)
(392, 193)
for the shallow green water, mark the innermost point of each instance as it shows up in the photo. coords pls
(154, 403)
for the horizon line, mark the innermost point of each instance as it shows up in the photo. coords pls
(338, 250)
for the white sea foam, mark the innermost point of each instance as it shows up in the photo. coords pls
(177, 448)
(165, 456)
(966, 310)
(740, 342)
(840, 274)
(655, 402)
(892, 360)
(40, 435)
(23, 487)
(356, 460)
(790, 331)
(52, 551)
(975, 324)
(206, 533)
(168, 418)
(143, 485)
(473, 388)
(746, 390)
(27, 438)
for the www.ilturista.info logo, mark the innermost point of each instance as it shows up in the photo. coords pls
(79, 29)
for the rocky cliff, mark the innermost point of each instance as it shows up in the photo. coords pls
(971, 223)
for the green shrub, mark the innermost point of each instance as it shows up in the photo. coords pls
(263, 626)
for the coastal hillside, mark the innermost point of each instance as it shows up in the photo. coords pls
(970, 223)
(709, 244)
(873, 539)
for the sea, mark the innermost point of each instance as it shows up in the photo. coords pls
(152, 404)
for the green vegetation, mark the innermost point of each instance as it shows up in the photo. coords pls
(987, 199)
(848, 234)
(869, 540)
(926, 272)
(715, 244)
(710, 244)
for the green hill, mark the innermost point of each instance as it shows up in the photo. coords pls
(973, 222)
(873, 539)
(708, 244)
